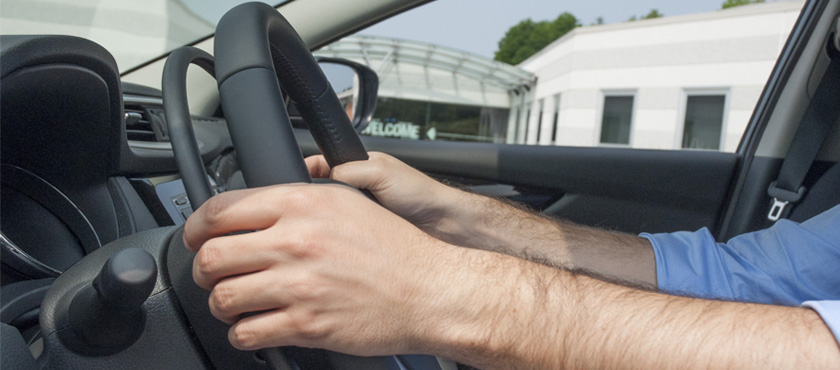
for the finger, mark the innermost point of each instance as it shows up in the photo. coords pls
(242, 294)
(318, 167)
(369, 174)
(226, 256)
(276, 328)
(233, 211)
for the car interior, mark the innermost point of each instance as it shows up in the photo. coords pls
(89, 171)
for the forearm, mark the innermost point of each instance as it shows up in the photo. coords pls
(475, 221)
(622, 327)
(556, 319)
(485, 223)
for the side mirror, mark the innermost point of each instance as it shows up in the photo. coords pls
(355, 84)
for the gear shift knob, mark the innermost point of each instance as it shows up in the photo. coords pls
(108, 314)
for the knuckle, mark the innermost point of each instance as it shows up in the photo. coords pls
(386, 159)
(378, 156)
(305, 325)
(214, 212)
(300, 200)
(189, 230)
(304, 291)
(300, 246)
(222, 301)
(297, 251)
(208, 258)
(245, 336)
(339, 173)
(379, 172)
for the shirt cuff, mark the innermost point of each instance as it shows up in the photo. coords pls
(688, 263)
(830, 313)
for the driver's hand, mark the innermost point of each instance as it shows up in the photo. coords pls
(437, 209)
(326, 267)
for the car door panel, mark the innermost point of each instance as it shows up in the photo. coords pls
(616, 188)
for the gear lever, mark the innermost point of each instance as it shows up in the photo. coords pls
(108, 314)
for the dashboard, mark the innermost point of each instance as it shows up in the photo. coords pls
(69, 186)
(148, 138)
(86, 162)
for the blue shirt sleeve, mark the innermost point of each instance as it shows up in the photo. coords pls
(788, 263)
(830, 313)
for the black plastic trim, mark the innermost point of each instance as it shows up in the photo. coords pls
(792, 51)
(695, 189)
(56, 202)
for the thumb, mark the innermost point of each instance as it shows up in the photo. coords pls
(361, 175)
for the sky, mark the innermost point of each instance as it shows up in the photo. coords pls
(477, 26)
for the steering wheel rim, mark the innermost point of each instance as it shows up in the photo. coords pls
(255, 47)
(181, 134)
(246, 63)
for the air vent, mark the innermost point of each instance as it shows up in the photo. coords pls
(145, 124)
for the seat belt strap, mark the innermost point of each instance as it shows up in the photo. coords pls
(821, 113)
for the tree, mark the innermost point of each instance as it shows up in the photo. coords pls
(528, 37)
(732, 3)
(654, 13)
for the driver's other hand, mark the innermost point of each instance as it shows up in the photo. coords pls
(405, 191)
(326, 268)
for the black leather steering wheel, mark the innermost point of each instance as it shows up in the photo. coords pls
(86, 325)
(181, 134)
(255, 47)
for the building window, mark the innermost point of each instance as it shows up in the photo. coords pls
(539, 122)
(527, 122)
(618, 115)
(703, 122)
(556, 119)
(516, 126)
(421, 120)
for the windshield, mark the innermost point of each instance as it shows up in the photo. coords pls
(134, 31)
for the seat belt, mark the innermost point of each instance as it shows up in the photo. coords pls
(822, 112)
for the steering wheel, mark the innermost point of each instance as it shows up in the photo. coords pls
(133, 303)
(255, 47)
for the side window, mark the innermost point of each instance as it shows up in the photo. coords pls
(682, 82)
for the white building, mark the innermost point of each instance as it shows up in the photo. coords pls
(682, 81)
(417, 73)
(675, 82)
